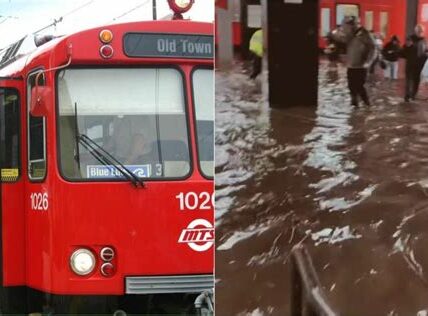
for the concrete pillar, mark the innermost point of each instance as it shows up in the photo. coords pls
(225, 36)
(290, 29)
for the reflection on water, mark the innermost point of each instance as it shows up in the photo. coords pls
(350, 183)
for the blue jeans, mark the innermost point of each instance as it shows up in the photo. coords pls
(391, 70)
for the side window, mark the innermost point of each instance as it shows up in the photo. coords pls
(346, 10)
(36, 135)
(9, 135)
(424, 13)
(254, 16)
(325, 21)
(369, 20)
(203, 96)
(384, 22)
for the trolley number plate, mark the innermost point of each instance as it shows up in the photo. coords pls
(39, 201)
(195, 201)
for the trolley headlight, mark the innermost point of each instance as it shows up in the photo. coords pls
(106, 51)
(183, 3)
(107, 254)
(106, 36)
(107, 269)
(180, 6)
(82, 261)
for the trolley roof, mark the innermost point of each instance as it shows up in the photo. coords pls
(13, 63)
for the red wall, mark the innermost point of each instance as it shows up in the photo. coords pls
(423, 18)
(396, 11)
(398, 19)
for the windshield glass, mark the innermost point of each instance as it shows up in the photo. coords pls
(203, 94)
(137, 115)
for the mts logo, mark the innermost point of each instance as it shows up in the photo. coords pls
(196, 235)
(199, 235)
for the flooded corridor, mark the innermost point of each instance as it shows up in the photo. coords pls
(349, 183)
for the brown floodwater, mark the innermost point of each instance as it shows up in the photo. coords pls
(349, 183)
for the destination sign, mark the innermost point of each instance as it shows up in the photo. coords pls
(100, 172)
(168, 45)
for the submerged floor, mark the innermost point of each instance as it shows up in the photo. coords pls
(350, 183)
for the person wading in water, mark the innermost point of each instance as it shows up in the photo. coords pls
(360, 54)
(415, 51)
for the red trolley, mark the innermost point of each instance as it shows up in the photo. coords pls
(106, 152)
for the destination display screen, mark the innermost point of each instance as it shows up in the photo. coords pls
(168, 45)
(107, 172)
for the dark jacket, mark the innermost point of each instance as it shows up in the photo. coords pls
(415, 53)
(360, 47)
(391, 51)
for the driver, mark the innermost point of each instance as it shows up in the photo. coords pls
(138, 152)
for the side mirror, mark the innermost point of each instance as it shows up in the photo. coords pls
(41, 97)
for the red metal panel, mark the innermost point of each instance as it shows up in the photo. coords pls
(236, 29)
(398, 19)
(13, 239)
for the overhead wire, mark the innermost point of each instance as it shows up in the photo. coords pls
(131, 10)
(7, 18)
(78, 8)
(54, 23)
(61, 18)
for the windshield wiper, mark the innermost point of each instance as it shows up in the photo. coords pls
(100, 154)
(107, 159)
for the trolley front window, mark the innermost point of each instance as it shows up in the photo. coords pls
(135, 114)
(203, 95)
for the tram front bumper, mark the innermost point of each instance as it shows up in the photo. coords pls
(169, 284)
